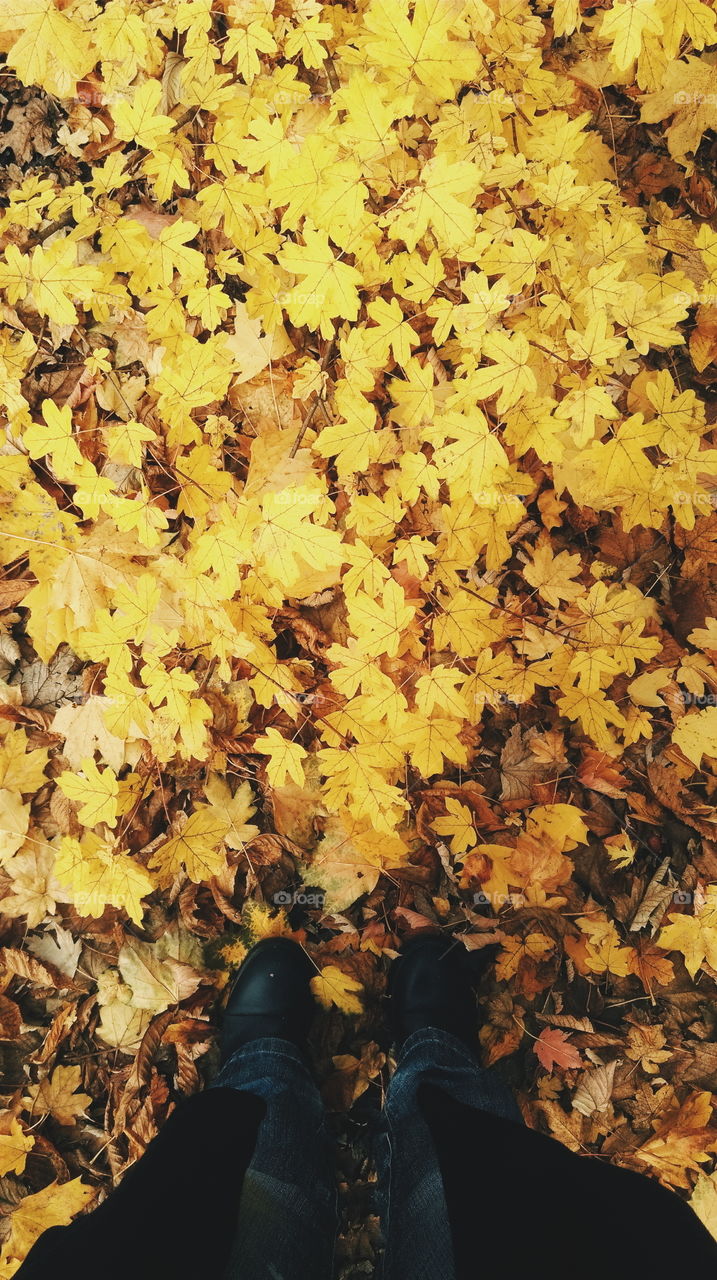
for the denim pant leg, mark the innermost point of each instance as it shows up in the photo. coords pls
(287, 1214)
(412, 1203)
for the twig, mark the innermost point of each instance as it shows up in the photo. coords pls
(39, 237)
(325, 362)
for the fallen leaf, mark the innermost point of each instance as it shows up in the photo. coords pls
(54, 1206)
(15, 1144)
(595, 1089)
(554, 1049)
(58, 1094)
(332, 987)
(157, 978)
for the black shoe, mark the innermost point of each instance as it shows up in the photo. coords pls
(271, 996)
(430, 984)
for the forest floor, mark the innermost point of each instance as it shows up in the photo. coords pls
(358, 560)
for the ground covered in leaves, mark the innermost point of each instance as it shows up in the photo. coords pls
(358, 558)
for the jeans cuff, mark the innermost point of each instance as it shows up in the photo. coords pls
(266, 1053)
(437, 1037)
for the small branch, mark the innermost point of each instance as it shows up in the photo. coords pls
(308, 418)
(39, 237)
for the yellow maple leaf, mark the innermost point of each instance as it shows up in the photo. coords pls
(126, 441)
(350, 856)
(424, 48)
(21, 770)
(51, 48)
(514, 949)
(262, 922)
(244, 43)
(562, 822)
(694, 936)
(193, 374)
(92, 876)
(510, 377)
(34, 891)
(442, 202)
(54, 440)
(58, 1094)
(96, 793)
(682, 1142)
(15, 821)
(307, 39)
(198, 848)
(552, 574)
(457, 823)
(329, 288)
(379, 626)
(292, 547)
(601, 950)
(15, 1144)
(54, 1206)
(625, 25)
(52, 277)
(285, 758)
(496, 859)
(696, 734)
(430, 739)
(705, 637)
(237, 809)
(139, 120)
(333, 987)
(595, 712)
(620, 849)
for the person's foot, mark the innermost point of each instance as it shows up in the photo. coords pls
(271, 996)
(430, 984)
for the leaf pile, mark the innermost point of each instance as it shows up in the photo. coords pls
(359, 553)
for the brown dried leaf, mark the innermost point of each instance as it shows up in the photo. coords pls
(595, 1089)
(9, 1019)
(22, 965)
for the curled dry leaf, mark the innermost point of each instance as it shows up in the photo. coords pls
(595, 1089)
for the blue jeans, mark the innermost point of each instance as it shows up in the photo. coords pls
(412, 1205)
(287, 1214)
